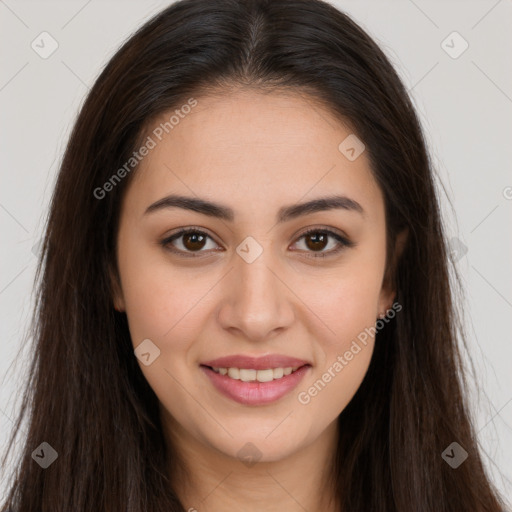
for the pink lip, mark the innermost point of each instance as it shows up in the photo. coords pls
(255, 393)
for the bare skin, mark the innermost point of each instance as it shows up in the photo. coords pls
(254, 153)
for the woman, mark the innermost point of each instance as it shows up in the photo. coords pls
(245, 298)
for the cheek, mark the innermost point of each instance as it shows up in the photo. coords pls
(335, 384)
(347, 301)
(348, 305)
(168, 307)
(158, 298)
(349, 311)
(164, 306)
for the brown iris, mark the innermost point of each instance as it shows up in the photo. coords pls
(316, 241)
(194, 241)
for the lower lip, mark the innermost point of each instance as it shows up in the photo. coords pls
(255, 393)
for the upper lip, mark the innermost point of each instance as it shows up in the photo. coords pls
(255, 363)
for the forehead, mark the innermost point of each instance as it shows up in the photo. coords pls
(249, 148)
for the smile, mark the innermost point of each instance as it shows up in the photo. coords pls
(255, 381)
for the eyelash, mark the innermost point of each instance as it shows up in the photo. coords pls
(343, 242)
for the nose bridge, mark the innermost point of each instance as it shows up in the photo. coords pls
(258, 302)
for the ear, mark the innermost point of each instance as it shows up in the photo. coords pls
(117, 292)
(388, 291)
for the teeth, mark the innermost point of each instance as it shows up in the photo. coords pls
(247, 375)
(234, 373)
(251, 375)
(277, 373)
(265, 375)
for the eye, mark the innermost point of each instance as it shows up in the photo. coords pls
(316, 240)
(188, 241)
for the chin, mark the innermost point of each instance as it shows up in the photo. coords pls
(256, 445)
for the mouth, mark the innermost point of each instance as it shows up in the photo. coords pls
(255, 381)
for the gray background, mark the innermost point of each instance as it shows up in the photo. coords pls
(465, 105)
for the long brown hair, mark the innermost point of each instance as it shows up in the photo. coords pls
(86, 395)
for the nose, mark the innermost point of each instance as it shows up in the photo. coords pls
(257, 303)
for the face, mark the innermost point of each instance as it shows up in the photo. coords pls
(260, 286)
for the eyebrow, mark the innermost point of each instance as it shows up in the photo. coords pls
(286, 213)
